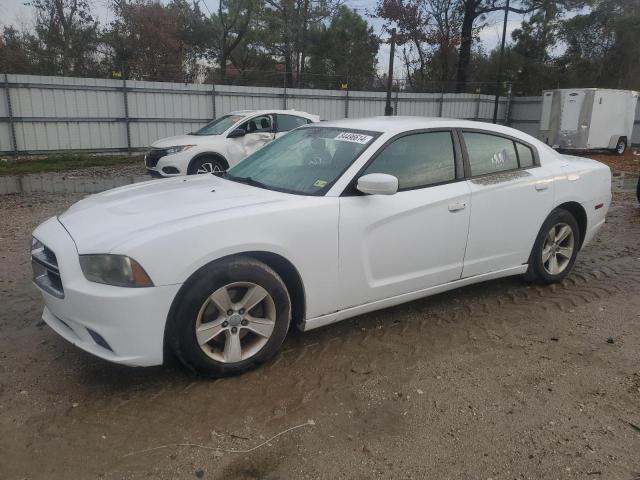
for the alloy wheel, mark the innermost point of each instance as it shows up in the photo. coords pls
(235, 322)
(557, 249)
(209, 167)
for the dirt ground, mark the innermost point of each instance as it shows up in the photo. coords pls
(628, 163)
(502, 380)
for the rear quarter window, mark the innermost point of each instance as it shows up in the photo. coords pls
(525, 155)
(490, 153)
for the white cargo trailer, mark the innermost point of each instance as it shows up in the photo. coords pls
(588, 118)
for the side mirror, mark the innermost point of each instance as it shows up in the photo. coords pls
(238, 132)
(378, 184)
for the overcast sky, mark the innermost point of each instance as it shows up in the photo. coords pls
(15, 12)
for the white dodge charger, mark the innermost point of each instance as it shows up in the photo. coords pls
(330, 221)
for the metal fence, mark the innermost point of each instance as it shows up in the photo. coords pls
(41, 114)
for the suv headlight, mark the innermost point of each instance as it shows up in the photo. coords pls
(117, 270)
(178, 148)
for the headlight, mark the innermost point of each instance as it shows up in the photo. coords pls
(117, 270)
(36, 244)
(178, 148)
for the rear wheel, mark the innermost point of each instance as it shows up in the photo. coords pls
(555, 249)
(621, 146)
(212, 165)
(233, 316)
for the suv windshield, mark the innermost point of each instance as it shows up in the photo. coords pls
(219, 125)
(306, 161)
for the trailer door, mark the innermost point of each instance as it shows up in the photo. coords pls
(572, 101)
(612, 118)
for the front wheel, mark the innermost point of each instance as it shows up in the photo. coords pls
(210, 165)
(555, 249)
(233, 316)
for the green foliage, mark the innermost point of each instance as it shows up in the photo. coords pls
(324, 44)
(345, 50)
(63, 163)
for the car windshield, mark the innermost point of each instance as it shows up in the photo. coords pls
(219, 125)
(306, 161)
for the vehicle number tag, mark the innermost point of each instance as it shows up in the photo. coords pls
(354, 137)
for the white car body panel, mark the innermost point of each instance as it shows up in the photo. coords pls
(497, 203)
(354, 254)
(377, 231)
(233, 150)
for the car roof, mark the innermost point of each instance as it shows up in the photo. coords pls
(399, 124)
(260, 112)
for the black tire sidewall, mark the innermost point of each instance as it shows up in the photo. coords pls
(623, 142)
(195, 164)
(536, 271)
(204, 283)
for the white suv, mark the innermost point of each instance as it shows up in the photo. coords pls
(222, 143)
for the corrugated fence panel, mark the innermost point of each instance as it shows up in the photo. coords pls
(63, 113)
(47, 136)
(366, 104)
(461, 105)
(5, 132)
(635, 137)
(524, 114)
(170, 108)
(328, 104)
(420, 104)
(144, 133)
(230, 98)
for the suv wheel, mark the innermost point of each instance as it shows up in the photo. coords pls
(211, 165)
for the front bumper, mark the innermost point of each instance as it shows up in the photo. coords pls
(122, 325)
(173, 165)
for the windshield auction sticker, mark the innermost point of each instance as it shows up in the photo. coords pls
(354, 137)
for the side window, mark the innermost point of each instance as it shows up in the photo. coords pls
(525, 155)
(289, 122)
(261, 124)
(418, 160)
(489, 153)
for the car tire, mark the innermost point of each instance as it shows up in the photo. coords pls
(621, 147)
(638, 190)
(555, 249)
(198, 314)
(214, 165)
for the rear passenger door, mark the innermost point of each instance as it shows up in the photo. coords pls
(511, 195)
(286, 123)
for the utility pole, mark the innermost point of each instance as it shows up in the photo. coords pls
(499, 79)
(388, 110)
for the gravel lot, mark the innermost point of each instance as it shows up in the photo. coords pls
(502, 380)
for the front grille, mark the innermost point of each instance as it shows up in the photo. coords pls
(153, 155)
(46, 273)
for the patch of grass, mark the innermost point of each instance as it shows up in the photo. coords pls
(63, 163)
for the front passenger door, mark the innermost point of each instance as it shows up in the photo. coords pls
(414, 239)
(259, 131)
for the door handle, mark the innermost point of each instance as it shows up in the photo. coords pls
(454, 207)
(542, 186)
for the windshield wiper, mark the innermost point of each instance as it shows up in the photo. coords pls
(247, 181)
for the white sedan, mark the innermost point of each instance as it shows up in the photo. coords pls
(222, 143)
(330, 221)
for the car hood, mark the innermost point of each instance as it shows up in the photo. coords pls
(188, 140)
(102, 222)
